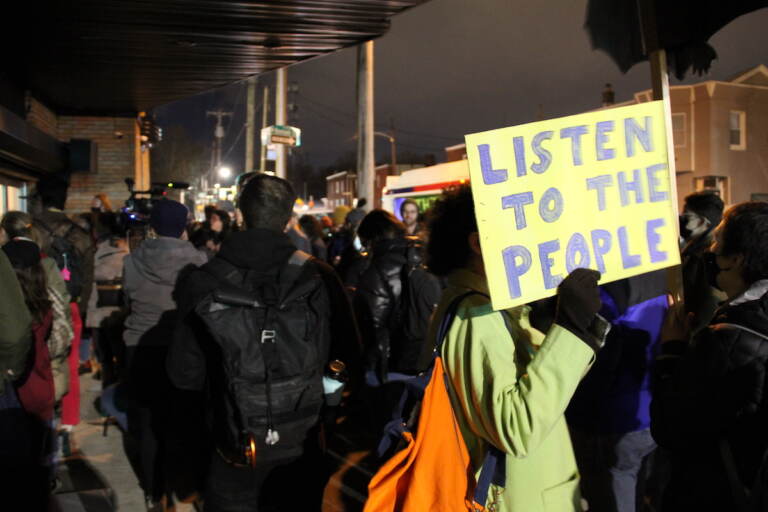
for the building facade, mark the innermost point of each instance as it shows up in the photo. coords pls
(341, 189)
(720, 134)
(95, 153)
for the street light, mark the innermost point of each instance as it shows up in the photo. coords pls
(225, 172)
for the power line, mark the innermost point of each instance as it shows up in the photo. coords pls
(380, 127)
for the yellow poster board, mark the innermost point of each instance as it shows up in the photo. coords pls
(591, 190)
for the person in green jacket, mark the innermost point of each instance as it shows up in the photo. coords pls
(15, 326)
(509, 383)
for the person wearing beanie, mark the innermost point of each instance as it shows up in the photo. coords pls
(149, 276)
(702, 212)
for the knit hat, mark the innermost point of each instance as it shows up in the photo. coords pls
(22, 253)
(706, 204)
(168, 218)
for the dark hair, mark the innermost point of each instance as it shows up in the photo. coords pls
(202, 236)
(450, 224)
(310, 226)
(707, 204)
(52, 192)
(267, 202)
(209, 210)
(17, 223)
(745, 232)
(379, 225)
(407, 202)
(226, 220)
(361, 202)
(35, 289)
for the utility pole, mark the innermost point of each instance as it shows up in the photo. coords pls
(365, 161)
(264, 121)
(250, 123)
(218, 137)
(281, 115)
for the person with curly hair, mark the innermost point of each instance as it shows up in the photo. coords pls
(509, 384)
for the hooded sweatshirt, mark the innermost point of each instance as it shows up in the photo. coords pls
(149, 277)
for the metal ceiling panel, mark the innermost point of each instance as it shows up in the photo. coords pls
(123, 56)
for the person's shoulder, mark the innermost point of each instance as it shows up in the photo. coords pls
(475, 305)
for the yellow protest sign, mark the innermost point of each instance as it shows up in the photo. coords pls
(591, 190)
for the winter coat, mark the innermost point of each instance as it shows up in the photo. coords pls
(509, 386)
(60, 337)
(710, 390)
(615, 396)
(16, 332)
(108, 266)
(700, 298)
(55, 220)
(378, 305)
(149, 276)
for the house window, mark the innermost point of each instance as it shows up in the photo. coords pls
(738, 130)
(716, 184)
(678, 130)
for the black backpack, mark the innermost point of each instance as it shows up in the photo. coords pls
(420, 293)
(64, 253)
(273, 338)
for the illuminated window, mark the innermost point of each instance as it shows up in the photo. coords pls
(738, 130)
(716, 184)
(678, 130)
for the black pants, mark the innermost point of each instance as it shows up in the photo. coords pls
(237, 489)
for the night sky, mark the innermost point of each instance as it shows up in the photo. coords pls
(451, 67)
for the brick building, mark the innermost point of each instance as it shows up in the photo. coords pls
(99, 153)
(720, 134)
(341, 189)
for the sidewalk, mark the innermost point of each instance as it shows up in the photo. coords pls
(99, 478)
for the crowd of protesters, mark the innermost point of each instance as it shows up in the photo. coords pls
(224, 347)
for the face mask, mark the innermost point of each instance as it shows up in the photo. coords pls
(712, 269)
(684, 231)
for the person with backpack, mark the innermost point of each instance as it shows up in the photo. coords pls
(509, 384)
(709, 408)
(72, 248)
(258, 326)
(395, 296)
(18, 225)
(34, 388)
(149, 277)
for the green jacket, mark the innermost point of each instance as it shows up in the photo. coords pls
(15, 325)
(510, 387)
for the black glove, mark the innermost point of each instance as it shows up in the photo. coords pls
(578, 301)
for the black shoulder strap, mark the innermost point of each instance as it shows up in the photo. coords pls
(292, 272)
(224, 271)
(450, 314)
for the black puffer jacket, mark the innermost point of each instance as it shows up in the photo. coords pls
(391, 340)
(712, 390)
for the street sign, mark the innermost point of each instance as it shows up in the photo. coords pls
(277, 134)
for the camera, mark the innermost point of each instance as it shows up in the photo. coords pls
(134, 216)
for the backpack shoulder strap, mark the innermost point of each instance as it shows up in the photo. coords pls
(223, 270)
(293, 270)
(450, 314)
